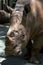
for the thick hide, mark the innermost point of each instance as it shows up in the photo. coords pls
(35, 28)
(26, 30)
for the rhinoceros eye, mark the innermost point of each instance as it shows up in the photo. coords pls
(22, 37)
(12, 34)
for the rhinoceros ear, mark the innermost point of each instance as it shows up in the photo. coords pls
(7, 8)
(27, 8)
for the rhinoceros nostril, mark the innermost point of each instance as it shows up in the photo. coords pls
(14, 46)
(19, 52)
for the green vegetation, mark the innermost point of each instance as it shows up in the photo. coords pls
(13, 2)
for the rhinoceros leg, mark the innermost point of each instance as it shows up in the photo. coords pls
(38, 43)
(29, 49)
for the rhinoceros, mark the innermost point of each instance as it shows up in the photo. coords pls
(25, 26)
